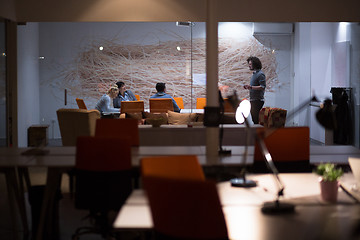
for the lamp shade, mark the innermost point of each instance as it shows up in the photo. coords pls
(325, 115)
(242, 111)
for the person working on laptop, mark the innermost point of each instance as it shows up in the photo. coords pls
(161, 93)
(104, 104)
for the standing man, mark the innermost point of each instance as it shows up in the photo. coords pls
(124, 95)
(257, 87)
(161, 93)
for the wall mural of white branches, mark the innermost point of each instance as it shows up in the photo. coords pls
(142, 66)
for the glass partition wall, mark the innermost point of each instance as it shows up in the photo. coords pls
(3, 141)
(83, 59)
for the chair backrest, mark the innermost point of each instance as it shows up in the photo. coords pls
(185, 209)
(124, 128)
(289, 148)
(200, 103)
(76, 122)
(103, 173)
(132, 106)
(161, 105)
(179, 101)
(81, 104)
(228, 106)
(180, 166)
(137, 97)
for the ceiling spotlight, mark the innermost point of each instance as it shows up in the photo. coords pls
(178, 48)
(101, 48)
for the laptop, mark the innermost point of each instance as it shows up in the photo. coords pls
(353, 189)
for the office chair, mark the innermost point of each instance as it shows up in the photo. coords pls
(179, 167)
(179, 101)
(200, 103)
(124, 128)
(185, 209)
(289, 148)
(81, 104)
(228, 107)
(103, 180)
(161, 105)
(132, 106)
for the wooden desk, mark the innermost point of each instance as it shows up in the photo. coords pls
(313, 219)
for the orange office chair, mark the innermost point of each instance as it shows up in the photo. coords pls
(124, 128)
(103, 174)
(180, 166)
(161, 105)
(228, 107)
(132, 106)
(185, 209)
(200, 103)
(137, 97)
(179, 101)
(289, 148)
(81, 104)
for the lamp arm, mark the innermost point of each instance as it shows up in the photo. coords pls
(301, 107)
(270, 163)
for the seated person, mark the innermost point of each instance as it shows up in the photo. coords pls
(161, 93)
(124, 95)
(103, 105)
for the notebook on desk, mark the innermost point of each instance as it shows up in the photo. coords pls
(353, 189)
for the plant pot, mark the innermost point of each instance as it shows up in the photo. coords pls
(329, 190)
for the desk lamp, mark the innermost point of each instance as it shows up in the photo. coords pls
(241, 114)
(326, 118)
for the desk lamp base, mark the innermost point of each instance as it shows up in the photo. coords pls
(224, 152)
(277, 207)
(241, 182)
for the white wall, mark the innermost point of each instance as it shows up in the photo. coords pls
(28, 79)
(302, 72)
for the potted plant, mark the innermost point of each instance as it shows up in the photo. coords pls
(329, 181)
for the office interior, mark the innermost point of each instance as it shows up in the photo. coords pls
(60, 61)
(310, 52)
(308, 55)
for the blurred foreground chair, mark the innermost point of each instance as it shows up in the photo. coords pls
(161, 105)
(179, 167)
(200, 103)
(81, 104)
(124, 128)
(289, 148)
(103, 180)
(132, 106)
(179, 101)
(185, 209)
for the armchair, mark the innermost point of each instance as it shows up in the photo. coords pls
(76, 122)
